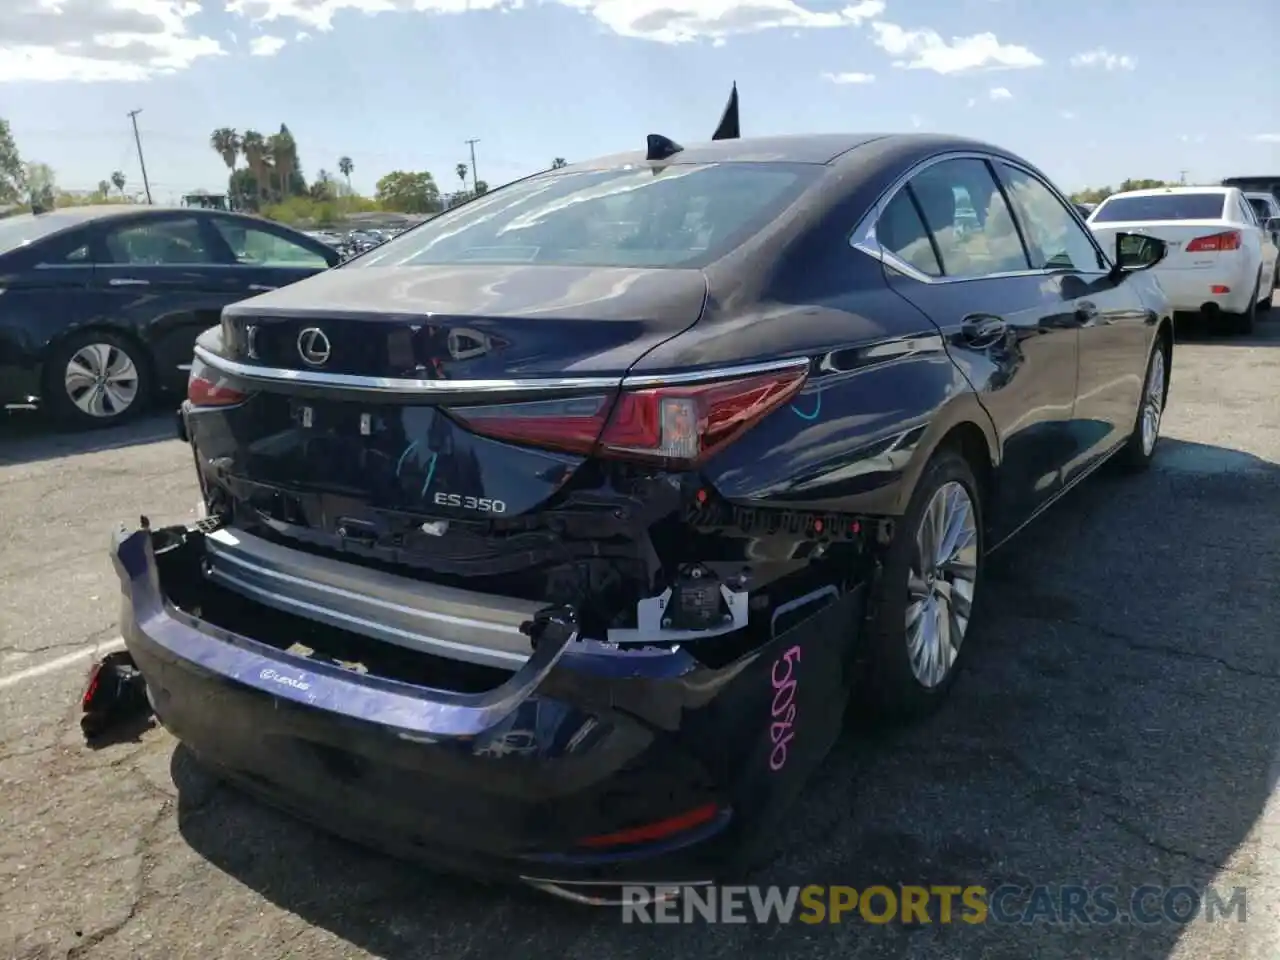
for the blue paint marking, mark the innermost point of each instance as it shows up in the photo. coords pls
(817, 409)
(431, 472)
(404, 456)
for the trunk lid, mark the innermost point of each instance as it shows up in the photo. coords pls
(468, 322)
(1177, 235)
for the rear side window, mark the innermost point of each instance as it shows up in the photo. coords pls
(901, 232)
(252, 245)
(1261, 208)
(973, 239)
(158, 243)
(683, 215)
(1166, 206)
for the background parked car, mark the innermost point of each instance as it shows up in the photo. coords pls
(1221, 261)
(101, 305)
(1267, 208)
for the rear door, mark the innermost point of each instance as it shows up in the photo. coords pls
(167, 277)
(1115, 328)
(1010, 327)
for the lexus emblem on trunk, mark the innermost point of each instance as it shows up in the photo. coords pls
(313, 346)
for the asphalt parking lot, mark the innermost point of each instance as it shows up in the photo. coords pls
(1118, 724)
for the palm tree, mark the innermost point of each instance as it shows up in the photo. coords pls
(118, 181)
(345, 166)
(104, 188)
(255, 147)
(226, 143)
(461, 171)
(559, 162)
(284, 150)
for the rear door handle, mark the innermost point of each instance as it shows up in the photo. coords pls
(128, 282)
(982, 330)
(260, 287)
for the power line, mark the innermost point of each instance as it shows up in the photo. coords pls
(475, 179)
(133, 116)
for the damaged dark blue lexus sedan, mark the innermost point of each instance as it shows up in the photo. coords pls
(551, 540)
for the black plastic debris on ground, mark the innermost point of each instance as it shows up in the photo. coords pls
(115, 701)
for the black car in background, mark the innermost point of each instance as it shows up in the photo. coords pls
(551, 539)
(100, 306)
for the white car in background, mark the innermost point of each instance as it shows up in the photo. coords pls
(1221, 260)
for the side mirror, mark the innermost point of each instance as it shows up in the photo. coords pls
(1272, 225)
(1137, 251)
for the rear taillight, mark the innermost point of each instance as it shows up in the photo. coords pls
(207, 387)
(680, 426)
(1216, 242)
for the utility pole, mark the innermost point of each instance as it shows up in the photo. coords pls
(1182, 177)
(474, 179)
(133, 116)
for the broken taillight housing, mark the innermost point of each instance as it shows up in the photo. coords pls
(206, 387)
(679, 426)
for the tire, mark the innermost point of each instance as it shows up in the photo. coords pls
(1242, 323)
(115, 374)
(1275, 282)
(1140, 448)
(898, 679)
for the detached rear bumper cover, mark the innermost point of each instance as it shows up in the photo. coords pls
(581, 741)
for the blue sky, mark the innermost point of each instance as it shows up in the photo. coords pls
(1092, 90)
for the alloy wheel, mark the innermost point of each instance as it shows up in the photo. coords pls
(940, 583)
(1153, 403)
(101, 380)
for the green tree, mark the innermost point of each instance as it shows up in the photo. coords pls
(254, 146)
(409, 192)
(559, 162)
(345, 166)
(41, 184)
(11, 169)
(226, 144)
(104, 189)
(461, 171)
(482, 187)
(118, 181)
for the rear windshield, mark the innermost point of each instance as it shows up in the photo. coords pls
(26, 228)
(684, 215)
(1167, 206)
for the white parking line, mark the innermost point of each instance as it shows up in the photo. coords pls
(66, 660)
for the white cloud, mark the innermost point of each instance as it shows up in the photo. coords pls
(1067, 114)
(666, 21)
(916, 122)
(267, 46)
(1105, 59)
(1266, 137)
(850, 77)
(1191, 138)
(927, 50)
(1000, 93)
(972, 102)
(98, 40)
(301, 35)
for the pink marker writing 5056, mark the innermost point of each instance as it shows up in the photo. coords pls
(783, 709)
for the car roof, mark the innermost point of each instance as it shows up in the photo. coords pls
(1162, 191)
(814, 148)
(74, 216)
